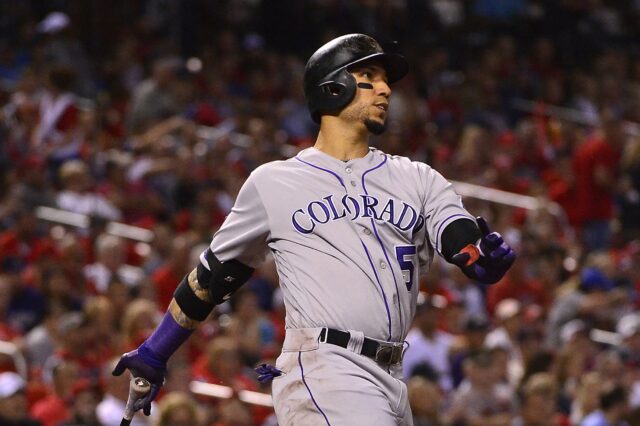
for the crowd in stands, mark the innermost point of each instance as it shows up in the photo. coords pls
(153, 113)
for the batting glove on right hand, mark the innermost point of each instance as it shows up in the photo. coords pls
(487, 261)
(141, 365)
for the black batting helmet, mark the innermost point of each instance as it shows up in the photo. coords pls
(328, 85)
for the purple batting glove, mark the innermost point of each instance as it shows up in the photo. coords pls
(149, 361)
(489, 260)
(146, 367)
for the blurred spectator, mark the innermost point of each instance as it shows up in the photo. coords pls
(232, 412)
(509, 317)
(587, 397)
(255, 333)
(172, 271)
(470, 294)
(22, 242)
(160, 248)
(53, 409)
(41, 341)
(596, 299)
(178, 409)
(110, 264)
(429, 345)
(58, 291)
(613, 409)
(59, 47)
(154, 99)
(57, 135)
(137, 322)
(595, 164)
(575, 357)
(221, 364)
(120, 296)
(76, 195)
(481, 400)
(13, 401)
(102, 327)
(629, 210)
(26, 304)
(7, 331)
(539, 397)
(628, 328)
(472, 340)
(520, 285)
(83, 410)
(425, 399)
(135, 199)
(71, 346)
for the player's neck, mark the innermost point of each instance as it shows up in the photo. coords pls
(343, 142)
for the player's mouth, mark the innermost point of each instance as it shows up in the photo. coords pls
(383, 106)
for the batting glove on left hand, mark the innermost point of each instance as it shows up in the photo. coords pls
(487, 261)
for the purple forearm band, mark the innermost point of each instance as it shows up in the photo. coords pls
(164, 341)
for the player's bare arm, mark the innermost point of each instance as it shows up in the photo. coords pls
(200, 292)
(210, 283)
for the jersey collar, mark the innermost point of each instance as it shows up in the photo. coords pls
(315, 156)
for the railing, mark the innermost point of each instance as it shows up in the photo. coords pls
(225, 392)
(64, 217)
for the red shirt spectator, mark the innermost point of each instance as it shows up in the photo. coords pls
(169, 275)
(516, 285)
(595, 163)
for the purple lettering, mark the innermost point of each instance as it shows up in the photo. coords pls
(368, 203)
(313, 214)
(299, 227)
(336, 215)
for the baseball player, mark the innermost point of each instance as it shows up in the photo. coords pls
(351, 229)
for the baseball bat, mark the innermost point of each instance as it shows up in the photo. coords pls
(138, 387)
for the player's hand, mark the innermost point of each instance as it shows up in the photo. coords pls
(487, 261)
(139, 367)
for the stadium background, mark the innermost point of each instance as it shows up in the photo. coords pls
(152, 113)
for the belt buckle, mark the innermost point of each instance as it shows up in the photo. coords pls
(389, 353)
(321, 338)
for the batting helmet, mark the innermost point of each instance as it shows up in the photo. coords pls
(328, 85)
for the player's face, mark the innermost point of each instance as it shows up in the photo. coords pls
(370, 105)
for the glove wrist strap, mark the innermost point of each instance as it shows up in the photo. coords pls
(165, 340)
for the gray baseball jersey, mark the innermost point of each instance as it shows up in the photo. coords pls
(350, 239)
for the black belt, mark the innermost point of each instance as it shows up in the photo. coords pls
(382, 352)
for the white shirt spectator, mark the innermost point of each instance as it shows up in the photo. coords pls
(110, 411)
(434, 352)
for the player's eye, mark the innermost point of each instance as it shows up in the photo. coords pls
(367, 74)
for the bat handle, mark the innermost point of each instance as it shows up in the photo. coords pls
(138, 387)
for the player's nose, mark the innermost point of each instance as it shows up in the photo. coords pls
(383, 89)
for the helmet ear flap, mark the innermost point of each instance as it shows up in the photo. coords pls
(332, 89)
(332, 94)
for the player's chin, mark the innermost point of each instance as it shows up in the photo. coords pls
(377, 126)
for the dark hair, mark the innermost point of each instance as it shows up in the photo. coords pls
(612, 397)
(62, 77)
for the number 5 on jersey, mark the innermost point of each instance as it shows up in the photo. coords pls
(405, 259)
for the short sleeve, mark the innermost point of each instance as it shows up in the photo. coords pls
(244, 233)
(442, 205)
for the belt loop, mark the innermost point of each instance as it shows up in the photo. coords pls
(324, 334)
(356, 341)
